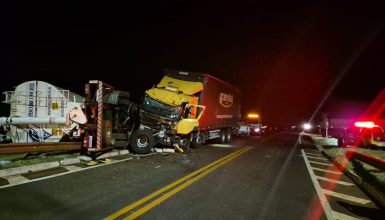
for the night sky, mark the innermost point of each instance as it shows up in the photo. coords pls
(284, 56)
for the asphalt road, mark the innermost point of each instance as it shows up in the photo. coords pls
(265, 178)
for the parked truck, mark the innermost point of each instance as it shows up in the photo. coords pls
(186, 108)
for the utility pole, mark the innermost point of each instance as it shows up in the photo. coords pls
(325, 125)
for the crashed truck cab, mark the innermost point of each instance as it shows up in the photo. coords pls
(168, 114)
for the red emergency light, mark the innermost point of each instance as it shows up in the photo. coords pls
(365, 124)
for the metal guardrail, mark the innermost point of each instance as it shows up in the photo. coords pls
(39, 147)
(368, 159)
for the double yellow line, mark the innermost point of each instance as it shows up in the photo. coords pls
(188, 180)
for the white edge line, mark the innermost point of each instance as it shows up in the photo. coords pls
(347, 197)
(335, 181)
(343, 216)
(319, 147)
(324, 202)
(327, 171)
(321, 163)
(320, 155)
(318, 158)
(64, 173)
(312, 150)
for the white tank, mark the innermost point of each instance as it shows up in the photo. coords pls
(38, 112)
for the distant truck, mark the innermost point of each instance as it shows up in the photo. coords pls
(187, 108)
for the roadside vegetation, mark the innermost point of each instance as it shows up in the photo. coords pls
(368, 174)
(17, 160)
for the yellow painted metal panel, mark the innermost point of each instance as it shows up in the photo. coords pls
(186, 87)
(169, 97)
(185, 126)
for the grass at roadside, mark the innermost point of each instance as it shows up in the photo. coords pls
(376, 153)
(369, 174)
(17, 160)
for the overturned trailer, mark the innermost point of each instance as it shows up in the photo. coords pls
(110, 118)
(41, 112)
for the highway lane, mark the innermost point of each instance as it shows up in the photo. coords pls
(251, 178)
(267, 182)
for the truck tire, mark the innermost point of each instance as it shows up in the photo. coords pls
(186, 144)
(192, 140)
(142, 141)
(222, 138)
(196, 140)
(229, 136)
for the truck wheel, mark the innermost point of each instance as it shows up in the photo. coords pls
(193, 144)
(229, 136)
(142, 141)
(196, 140)
(222, 138)
(185, 144)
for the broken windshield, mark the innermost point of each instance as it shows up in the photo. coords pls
(152, 106)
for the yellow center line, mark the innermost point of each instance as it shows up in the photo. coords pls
(156, 193)
(167, 195)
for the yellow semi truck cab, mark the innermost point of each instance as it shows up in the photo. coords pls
(185, 107)
(179, 95)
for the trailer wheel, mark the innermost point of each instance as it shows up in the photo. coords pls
(229, 136)
(142, 141)
(223, 138)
